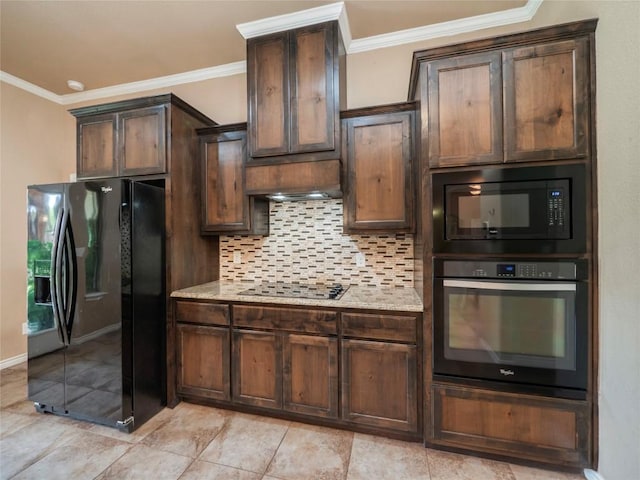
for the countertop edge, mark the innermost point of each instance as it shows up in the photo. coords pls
(211, 292)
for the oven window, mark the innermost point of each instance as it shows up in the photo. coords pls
(535, 329)
(499, 211)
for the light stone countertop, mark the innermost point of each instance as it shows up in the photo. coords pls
(374, 298)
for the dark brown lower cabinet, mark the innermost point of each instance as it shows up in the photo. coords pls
(292, 359)
(549, 430)
(379, 384)
(310, 375)
(257, 368)
(203, 361)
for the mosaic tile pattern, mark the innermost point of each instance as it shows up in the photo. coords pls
(306, 244)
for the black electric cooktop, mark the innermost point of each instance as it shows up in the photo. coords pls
(297, 290)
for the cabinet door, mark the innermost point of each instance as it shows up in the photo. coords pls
(257, 368)
(465, 110)
(225, 206)
(203, 361)
(96, 156)
(546, 101)
(379, 384)
(379, 161)
(268, 85)
(313, 106)
(142, 141)
(310, 375)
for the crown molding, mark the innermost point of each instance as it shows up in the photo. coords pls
(158, 82)
(302, 18)
(126, 88)
(334, 11)
(30, 87)
(447, 29)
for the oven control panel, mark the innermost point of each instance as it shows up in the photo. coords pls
(506, 269)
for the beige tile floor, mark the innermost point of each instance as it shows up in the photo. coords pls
(193, 442)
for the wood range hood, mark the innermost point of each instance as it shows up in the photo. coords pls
(295, 180)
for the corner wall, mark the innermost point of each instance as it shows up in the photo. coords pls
(37, 145)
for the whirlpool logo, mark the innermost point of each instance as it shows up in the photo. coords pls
(507, 373)
(106, 189)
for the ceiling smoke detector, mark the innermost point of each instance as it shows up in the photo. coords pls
(75, 85)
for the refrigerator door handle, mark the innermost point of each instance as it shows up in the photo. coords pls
(72, 276)
(56, 274)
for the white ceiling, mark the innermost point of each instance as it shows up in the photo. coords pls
(110, 43)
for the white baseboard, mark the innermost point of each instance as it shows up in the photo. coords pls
(592, 475)
(98, 333)
(13, 361)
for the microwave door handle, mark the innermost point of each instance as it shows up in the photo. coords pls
(530, 287)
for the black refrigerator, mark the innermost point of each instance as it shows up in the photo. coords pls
(96, 300)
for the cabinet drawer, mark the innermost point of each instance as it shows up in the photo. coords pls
(291, 319)
(400, 328)
(524, 426)
(198, 312)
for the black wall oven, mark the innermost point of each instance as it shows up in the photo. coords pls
(523, 322)
(538, 209)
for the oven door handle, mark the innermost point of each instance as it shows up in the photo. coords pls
(536, 287)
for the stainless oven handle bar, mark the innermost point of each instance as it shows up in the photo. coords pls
(538, 287)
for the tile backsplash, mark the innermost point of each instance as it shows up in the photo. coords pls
(306, 244)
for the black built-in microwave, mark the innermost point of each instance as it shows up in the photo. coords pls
(510, 210)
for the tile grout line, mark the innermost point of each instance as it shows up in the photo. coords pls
(353, 438)
(276, 450)
(131, 445)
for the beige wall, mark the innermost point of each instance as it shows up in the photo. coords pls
(223, 100)
(37, 146)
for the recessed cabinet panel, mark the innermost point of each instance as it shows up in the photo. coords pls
(312, 91)
(269, 103)
(465, 110)
(379, 384)
(97, 147)
(293, 82)
(379, 194)
(130, 142)
(536, 428)
(546, 101)
(142, 141)
(310, 375)
(257, 371)
(379, 168)
(224, 196)
(203, 361)
(226, 207)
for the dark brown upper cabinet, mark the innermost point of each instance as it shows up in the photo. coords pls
(226, 208)
(465, 110)
(378, 162)
(546, 114)
(524, 97)
(126, 143)
(294, 88)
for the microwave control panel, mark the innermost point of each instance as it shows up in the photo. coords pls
(555, 208)
(507, 269)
